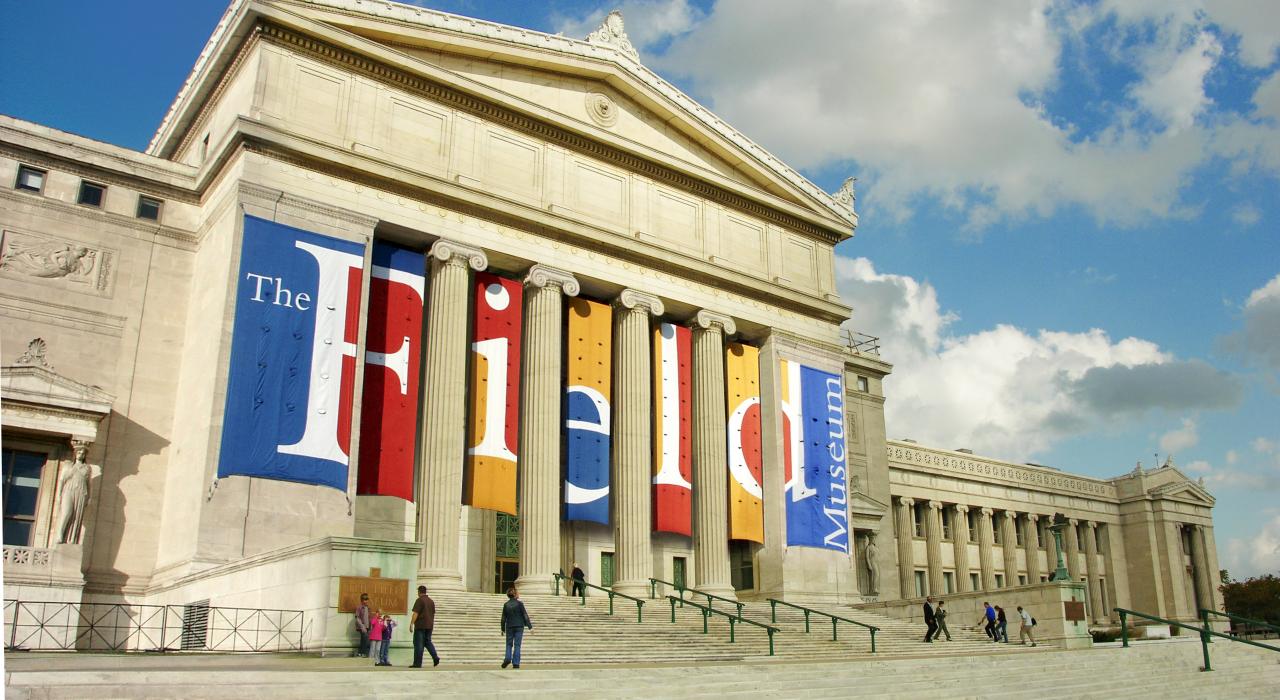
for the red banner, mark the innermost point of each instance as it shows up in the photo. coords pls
(673, 433)
(393, 348)
(489, 480)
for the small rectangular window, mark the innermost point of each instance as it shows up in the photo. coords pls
(975, 583)
(862, 384)
(917, 519)
(949, 581)
(30, 179)
(149, 208)
(921, 586)
(971, 524)
(946, 525)
(1022, 580)
(91, 193)
(996, 535)
(1017, 532)
(999, 580)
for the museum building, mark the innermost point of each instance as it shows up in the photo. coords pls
(471, 305)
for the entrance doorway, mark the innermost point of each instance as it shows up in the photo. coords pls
(741, 566)
(677, 572)
(606, 569)
(506, 567)
(505, 573)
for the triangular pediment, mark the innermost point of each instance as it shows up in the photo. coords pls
(39, 385)
(1187, 491)
(591, 88)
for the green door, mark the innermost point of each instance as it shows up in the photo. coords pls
(606, 569)
(677, 572)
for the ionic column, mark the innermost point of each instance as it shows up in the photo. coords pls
(541, 425)
(906, 563)
(1200, 565)
(1030, 539)
(710, 454)
(933, 546)
(960, 539)
(1091, 571)
(1073, 550)
(986, 543)
(1009, 533)
(444, 411)
(632, 438)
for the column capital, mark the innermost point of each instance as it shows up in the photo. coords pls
(961, 508)
(636, 300)
(987, 512)
(453, 253)
(1092, 524)
(542, 276)
(1073, 522)
(709, 320)
(1010, 514)
(907, 501)
(1032, 517)
(935, 505)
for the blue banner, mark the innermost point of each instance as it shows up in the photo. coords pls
(291, 379)
(587, 411)
(813, 429)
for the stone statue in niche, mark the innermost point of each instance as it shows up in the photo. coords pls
(873, 565)
(48, 259)
(74, 487)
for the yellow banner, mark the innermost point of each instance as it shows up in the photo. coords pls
(746, 457)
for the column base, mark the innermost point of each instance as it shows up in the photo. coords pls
(440, 581)
(535, 584)
(638, 589)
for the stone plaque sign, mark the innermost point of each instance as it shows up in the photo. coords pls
(390, 595)
(1073, 611)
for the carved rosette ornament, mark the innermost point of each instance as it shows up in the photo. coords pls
(601, 109)
(612, 33)
(35, 354)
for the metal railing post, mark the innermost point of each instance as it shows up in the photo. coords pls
(739, 611)
(705, 615)
(673, 609)
(653, 589)
(1124, 630)
(1204, 647)
(873, 641)
(806, 621)
(773, 610)
(833, 629)
(639, 611)
(770, 631)
(731, 627)
(555, 581)
(1204, 617)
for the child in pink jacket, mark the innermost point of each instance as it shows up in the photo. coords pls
(376, 627)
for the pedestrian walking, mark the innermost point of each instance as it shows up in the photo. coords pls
(362, 625)
(988, 619)
(579, 579)
(1002, 626)
(930, 619)
(386, 640)
(940, 616)
(422, 621)
(1024, 633)
(515, 619)
(377, 625)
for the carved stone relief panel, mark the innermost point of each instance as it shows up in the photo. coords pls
(58, 262)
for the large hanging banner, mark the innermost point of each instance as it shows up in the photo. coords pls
(746, 497)
(589, 350)
(291, 379)
(813, 436)
(392, 363)
(673, 429)
(489, 479)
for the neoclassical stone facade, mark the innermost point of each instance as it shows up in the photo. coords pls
(563, 164)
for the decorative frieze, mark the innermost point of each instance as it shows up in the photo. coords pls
(1029, 476)
(66, 264)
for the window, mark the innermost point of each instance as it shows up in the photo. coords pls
(949, 581)
(1017, 532)
(997, 535)
(862, 384)
(1042, 531)
(1097, 534)
(999, 580)
(91, 193)
(971, 521)
(920, 584)
(1036, 530)
(1044, 579)
(21, 494)
(1022, 580)
(149, 208)
(975, 583)
(30, 179)
(917, 519)
(508, 537)
(946, 524)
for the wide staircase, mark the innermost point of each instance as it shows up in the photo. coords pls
(1148, 669)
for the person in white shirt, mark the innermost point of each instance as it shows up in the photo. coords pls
(1025, 633)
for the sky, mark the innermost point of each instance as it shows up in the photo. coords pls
(1069, 237)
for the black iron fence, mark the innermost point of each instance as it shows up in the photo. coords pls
(45, 626)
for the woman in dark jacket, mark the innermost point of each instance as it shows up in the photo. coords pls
(1002, 624)
(514, 621)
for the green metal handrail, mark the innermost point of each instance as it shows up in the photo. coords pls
(1205, 613)
(1204, 632)
(707, 611)
(773, 617)
(557, 578)
(653, 593)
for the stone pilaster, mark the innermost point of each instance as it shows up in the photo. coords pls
(710, 454)
(444, 411)
(541, 425)
(1009, 534)
(933, 547)
(1031, 546)
(632, 438)
(1073, 550)
(1200, 568)
(960, 539)
(1092, 572)
(906, 563)
(1211, 556)
(986, 554)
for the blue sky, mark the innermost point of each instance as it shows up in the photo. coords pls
(1070, 229)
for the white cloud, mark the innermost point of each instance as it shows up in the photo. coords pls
(1232, 457)
(1198, 467)
(1173, 90)
(1003, 391)
(647, 22)
(1262, 445)
(1260, 554)
(1179, 439)
(1258, 339)
(1246, 215)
